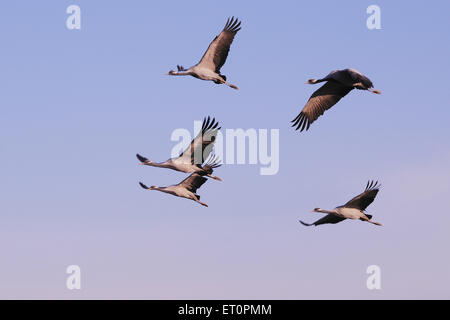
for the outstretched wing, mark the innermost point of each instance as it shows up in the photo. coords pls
(200, 148)
(212, 163)
(363, 200)
(320, 101)
(217, 52)
(193, 182)
(330, 218)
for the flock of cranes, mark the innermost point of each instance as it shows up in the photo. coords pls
(188, 187)
(200, 162)
(197, 159)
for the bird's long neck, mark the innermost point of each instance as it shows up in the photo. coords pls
(159, 164)
(162, 189)
(326, 211)
(314, 81)
(181, 73)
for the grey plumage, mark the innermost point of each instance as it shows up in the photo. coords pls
(363, 200)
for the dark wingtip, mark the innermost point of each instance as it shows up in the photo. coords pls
(372, 185)
(210, 124)
(301, 122)
(232, 24)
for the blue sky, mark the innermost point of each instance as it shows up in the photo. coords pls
(77, 105)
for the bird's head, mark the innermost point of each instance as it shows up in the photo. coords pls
(311, 81)
(317, 210)
(171, 73)
(146, 163)
(143, 160)
(147, 188)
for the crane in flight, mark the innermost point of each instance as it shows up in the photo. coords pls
(189, 186)
(354, 209)
(214, 58)
(338, 84)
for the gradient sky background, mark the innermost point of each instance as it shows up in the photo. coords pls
(76, 106)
